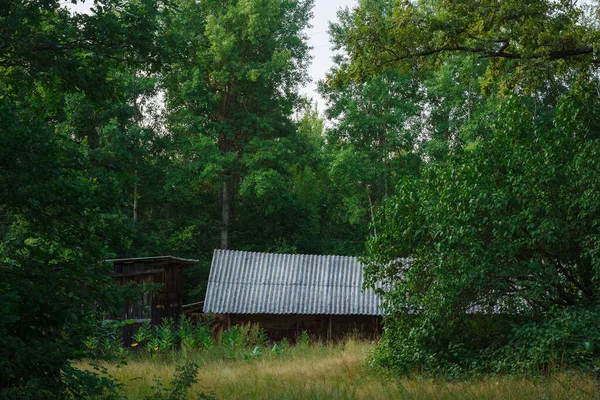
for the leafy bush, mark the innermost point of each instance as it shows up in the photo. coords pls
(203, 335)
(184, 378)
(248, 341)
(304, 339)
(252, 335)
(231, 340)
(564, 338)
(107, 341)
(195, 336)
(186, 333)
(504, 246)
(143, 334)
(166, 335)
(255, 353)
(280, 347)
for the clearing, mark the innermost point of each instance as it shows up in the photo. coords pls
(318, 371)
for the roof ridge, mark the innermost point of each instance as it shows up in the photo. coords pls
(284, 254)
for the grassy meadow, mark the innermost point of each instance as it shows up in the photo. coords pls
(318, 371)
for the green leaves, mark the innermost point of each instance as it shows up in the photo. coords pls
(230, 98)
(66, 111)
(497, 104)
(521, 39)
(501, 228)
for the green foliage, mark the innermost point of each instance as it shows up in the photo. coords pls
(106, 343)
(246, 341)
(66, 89)
(92, 166)
(184, 377)
(168, 336)
(186, 333)
(230, 98)
(231, 340)
(532, 39)
(279, 348)
(86, 385)
(490, 244)
(255, 353)
(304, 339)
(504, 227)
(252, 335)
(198, 335)
(463, 135)
(143, 333)
(564, 338)
(204, 336)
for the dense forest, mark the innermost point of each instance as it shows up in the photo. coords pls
(463, 135)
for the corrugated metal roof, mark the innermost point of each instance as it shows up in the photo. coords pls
(244, 282)
(153, 259)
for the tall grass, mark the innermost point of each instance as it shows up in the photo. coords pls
(319, 371)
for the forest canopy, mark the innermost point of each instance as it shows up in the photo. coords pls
(462, 135)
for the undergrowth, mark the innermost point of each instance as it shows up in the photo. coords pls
(238, 366)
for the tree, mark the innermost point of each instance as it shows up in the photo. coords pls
(500, 232)
(384, 127)
(232, 93)
(526, 35)
(374, 118)
(62, 77)
(507, 229)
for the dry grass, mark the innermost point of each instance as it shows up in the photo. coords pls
(333, 372)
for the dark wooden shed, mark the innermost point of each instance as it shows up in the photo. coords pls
(167, 303)
(289, 293)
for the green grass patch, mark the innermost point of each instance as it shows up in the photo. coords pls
(319, 371)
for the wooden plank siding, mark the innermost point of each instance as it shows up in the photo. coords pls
(319, 326)
(166, 303)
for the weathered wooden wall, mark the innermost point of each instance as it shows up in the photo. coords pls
(166, 303)
(324, 327)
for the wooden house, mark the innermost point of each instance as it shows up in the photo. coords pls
(166, 303)
(289, 293)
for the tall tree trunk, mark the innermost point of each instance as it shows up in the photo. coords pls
(469, 103)
(225, 210)
(225, 145)
(135, 196)
(372, 215)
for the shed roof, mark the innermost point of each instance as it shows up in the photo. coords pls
(244, 282)
(171, 259)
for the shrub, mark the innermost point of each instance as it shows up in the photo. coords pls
(252, 335)
(143, 334)
(184, 378)
(166, 334)
(203, 335)
(231, 340)
(166, 337)
(304, 339)
(107, 341)
(186, 334)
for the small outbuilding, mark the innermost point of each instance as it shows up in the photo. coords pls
(166, 303)
(289, 293)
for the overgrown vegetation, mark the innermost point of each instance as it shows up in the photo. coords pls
(238, 342)
(183, 344)
(462, 135)
(501, 221)
(320, 371)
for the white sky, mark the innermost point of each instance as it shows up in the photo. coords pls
(323, 12)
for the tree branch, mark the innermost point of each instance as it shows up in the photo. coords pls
(486, 53)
